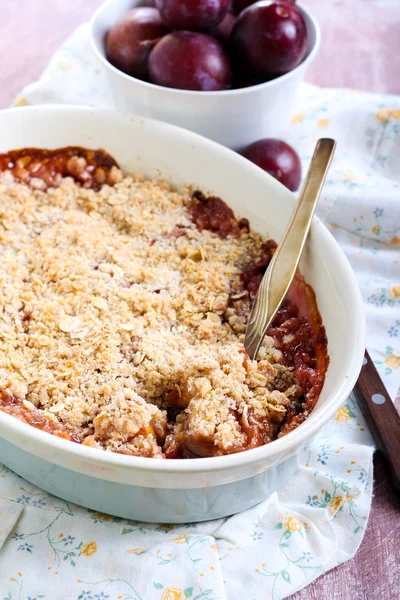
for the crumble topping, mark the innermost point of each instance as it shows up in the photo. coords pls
(122, 320)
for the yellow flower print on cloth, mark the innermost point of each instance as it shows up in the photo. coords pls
(395, 290)
(89, 549)
(136, 551)
(21, 101)
(384, 114)
(393, 361)
(297, 118)
(344, 414)
(292, 524)
(335, 504)
(173, 594)
(101, 517)
(181, 539)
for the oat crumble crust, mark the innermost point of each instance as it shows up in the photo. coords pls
(116, 324)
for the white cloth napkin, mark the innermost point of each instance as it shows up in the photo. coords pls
(55, 550)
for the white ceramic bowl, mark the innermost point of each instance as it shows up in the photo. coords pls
(233, 118)
(198, 489)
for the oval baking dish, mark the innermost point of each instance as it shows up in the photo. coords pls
(205, 488)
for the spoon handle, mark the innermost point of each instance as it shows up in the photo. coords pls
(282, 268)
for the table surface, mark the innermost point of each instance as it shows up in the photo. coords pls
(360, 50)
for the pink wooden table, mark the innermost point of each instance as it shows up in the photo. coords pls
(360, 49)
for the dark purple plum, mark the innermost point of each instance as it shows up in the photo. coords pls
(190, 61)
(278, 159)
(269, 39)
(192, 15)
(130, 40)
(224, 29)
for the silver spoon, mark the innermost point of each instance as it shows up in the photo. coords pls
(282, 268)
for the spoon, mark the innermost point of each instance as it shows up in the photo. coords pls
(282, 268)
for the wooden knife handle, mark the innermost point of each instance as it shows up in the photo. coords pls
(381, 415)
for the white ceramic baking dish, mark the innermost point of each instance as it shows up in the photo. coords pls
(186, 490)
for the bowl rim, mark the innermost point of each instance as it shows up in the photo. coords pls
(232, 92)
(285, 446)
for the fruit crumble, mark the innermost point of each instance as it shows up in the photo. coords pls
(123, 309)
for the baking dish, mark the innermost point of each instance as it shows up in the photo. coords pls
(186, 490)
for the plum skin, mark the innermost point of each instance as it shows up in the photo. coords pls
(129, 41)
(192, 15)
(278, 159)
(190, 61)
(269, 39)
(222, 32)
